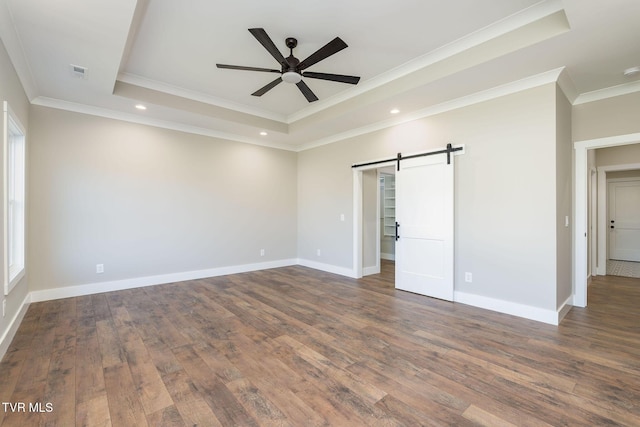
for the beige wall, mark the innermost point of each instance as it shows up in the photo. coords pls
(564, 196)
(146, 201)
(506, 193)
(619, 115)
(621, 155)
(12, 92)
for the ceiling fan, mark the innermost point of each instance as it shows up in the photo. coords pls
(292, 69)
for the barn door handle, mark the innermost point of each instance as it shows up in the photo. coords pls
(397, 234)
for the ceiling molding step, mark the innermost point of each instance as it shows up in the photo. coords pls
(13, 45)
(545, 28)
(609, 92)
(198, 96)
(538, 12)
(565, 82)
(164, 124)
(537, 80)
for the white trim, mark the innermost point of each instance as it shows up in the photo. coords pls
(162, 87)
(389, 257)
(13, 273)
(580, 204)
(454, 104)
(357, 215)
(505, 26)
(464, 101)
(357, 223)
(11, 330)
(564, 309)
(138, 282)
(163, 124)
(374, 269)
(15, 48)
(378, 224)
(329, 268)
(608, 92)
(551, 317)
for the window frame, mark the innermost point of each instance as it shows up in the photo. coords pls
(14, 183)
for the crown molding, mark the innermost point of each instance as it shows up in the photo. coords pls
(164, 124)
(198, 96)
(465, 101)
(608, 92)
(15, 50)
(500, 28)
(567, 86)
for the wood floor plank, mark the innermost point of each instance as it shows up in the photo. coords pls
(125, 408)
(296, 346)
(484, 418)
(153, 394)
(93, 412)
(223, 403)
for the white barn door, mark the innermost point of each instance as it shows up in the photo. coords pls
(424, 215)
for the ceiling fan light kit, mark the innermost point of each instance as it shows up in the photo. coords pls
(292, 69)
(291, 77)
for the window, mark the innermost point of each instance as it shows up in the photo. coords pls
(14, 203)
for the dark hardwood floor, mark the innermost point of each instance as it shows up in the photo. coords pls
(298, 347)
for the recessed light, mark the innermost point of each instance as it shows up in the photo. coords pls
(629, 72)
(394, 111)
(263, 133)
(141, 107)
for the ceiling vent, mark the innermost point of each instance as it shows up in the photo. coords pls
(78, 71)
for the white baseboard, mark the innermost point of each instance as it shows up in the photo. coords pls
(515, 309)
(138, 282)
(374, 269)
(564, 309)
(390, 257)
(551, 317)
(7, 337)
(327, 267)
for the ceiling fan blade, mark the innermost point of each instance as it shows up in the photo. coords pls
(241, 67)
(268, 87)
(306, 91)
(265, 40)
(334, 46)
(332, 77)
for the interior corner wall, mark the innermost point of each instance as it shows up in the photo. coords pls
(11, 91)
(564, 197)
(505, 201)
(145, 201)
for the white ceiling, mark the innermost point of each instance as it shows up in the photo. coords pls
(415, 55)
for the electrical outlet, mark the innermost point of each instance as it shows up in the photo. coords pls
(468, 277)
(318, 252)
(261, 252)
(341, 217)
(99, 268)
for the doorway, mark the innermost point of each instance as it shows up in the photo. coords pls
(580, 230)
(378, 218)
(370, 234)
(426, 263)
